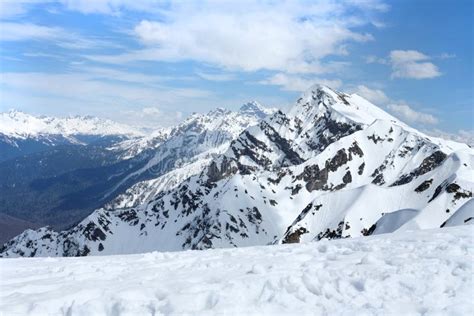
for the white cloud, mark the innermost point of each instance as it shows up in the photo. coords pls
(298, 83)
(12, 31)
(15, 8)
(371, 59)
(446, 56)
(151, 117)
(112, 7)
(462, 136)
(91, 86)
(100, 73)
(398, 108)
(151, 111)
(370, 4)
(375, 96)
(411, 115)
(288, 36)
(89, 93)
(216, 76)
(412, 64)
(43, 55)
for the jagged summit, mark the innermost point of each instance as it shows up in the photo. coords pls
(255, 108)
(320, 100)
(184, 150)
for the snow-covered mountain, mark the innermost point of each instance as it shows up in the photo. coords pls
(334, 166)
(185, 150)
(21, 125)
(157, 161)
(255, 109)
(58, 165)
(22, 134)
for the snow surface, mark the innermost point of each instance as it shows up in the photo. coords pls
(412, 273)
(464, 215)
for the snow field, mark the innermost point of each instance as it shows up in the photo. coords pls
(411, 273)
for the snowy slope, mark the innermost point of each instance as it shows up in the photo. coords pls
(414, 273)
(184, 150)
(172, 154)
(145, 191)
(334, 166)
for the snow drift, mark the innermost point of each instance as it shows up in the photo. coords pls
(416, 273)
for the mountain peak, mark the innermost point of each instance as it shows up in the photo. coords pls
(252, 105)
(12, 113)
(256, 109)
(294, 177)
(320, 100)
(218, 112)
(318, 87)
(20, 124)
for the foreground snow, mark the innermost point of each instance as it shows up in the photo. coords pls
(402, 273)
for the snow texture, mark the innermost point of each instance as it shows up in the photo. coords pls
(426, 272)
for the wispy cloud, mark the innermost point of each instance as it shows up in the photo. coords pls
(19, 31)
(89, 91)
(15, 8)
(372, 59)
(375, 96)
(44, 55)
(446, 56)
(409, 114)
(397, 107)
(463, 136)
(112, 7)
(412, 64)
(152, 117)
(13, 31)
(291, 37)
(298, 83)
(219, 77)
(101, 73)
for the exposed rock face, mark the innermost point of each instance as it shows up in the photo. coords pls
(332, 167)
(294, 237)
(428, 164)
(424, 185)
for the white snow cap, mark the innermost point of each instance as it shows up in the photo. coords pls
(256, 109)
(353, 107)
(19, 124)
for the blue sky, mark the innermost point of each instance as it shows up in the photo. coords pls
(154, 62)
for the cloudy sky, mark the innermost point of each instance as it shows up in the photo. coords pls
(153, 62)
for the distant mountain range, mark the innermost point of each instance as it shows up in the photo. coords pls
(57, 171)
(333, 166)
(22, 134)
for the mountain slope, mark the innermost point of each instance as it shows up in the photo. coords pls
(334, 166)
(187, 149)
(11, 226)
(65, 183)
